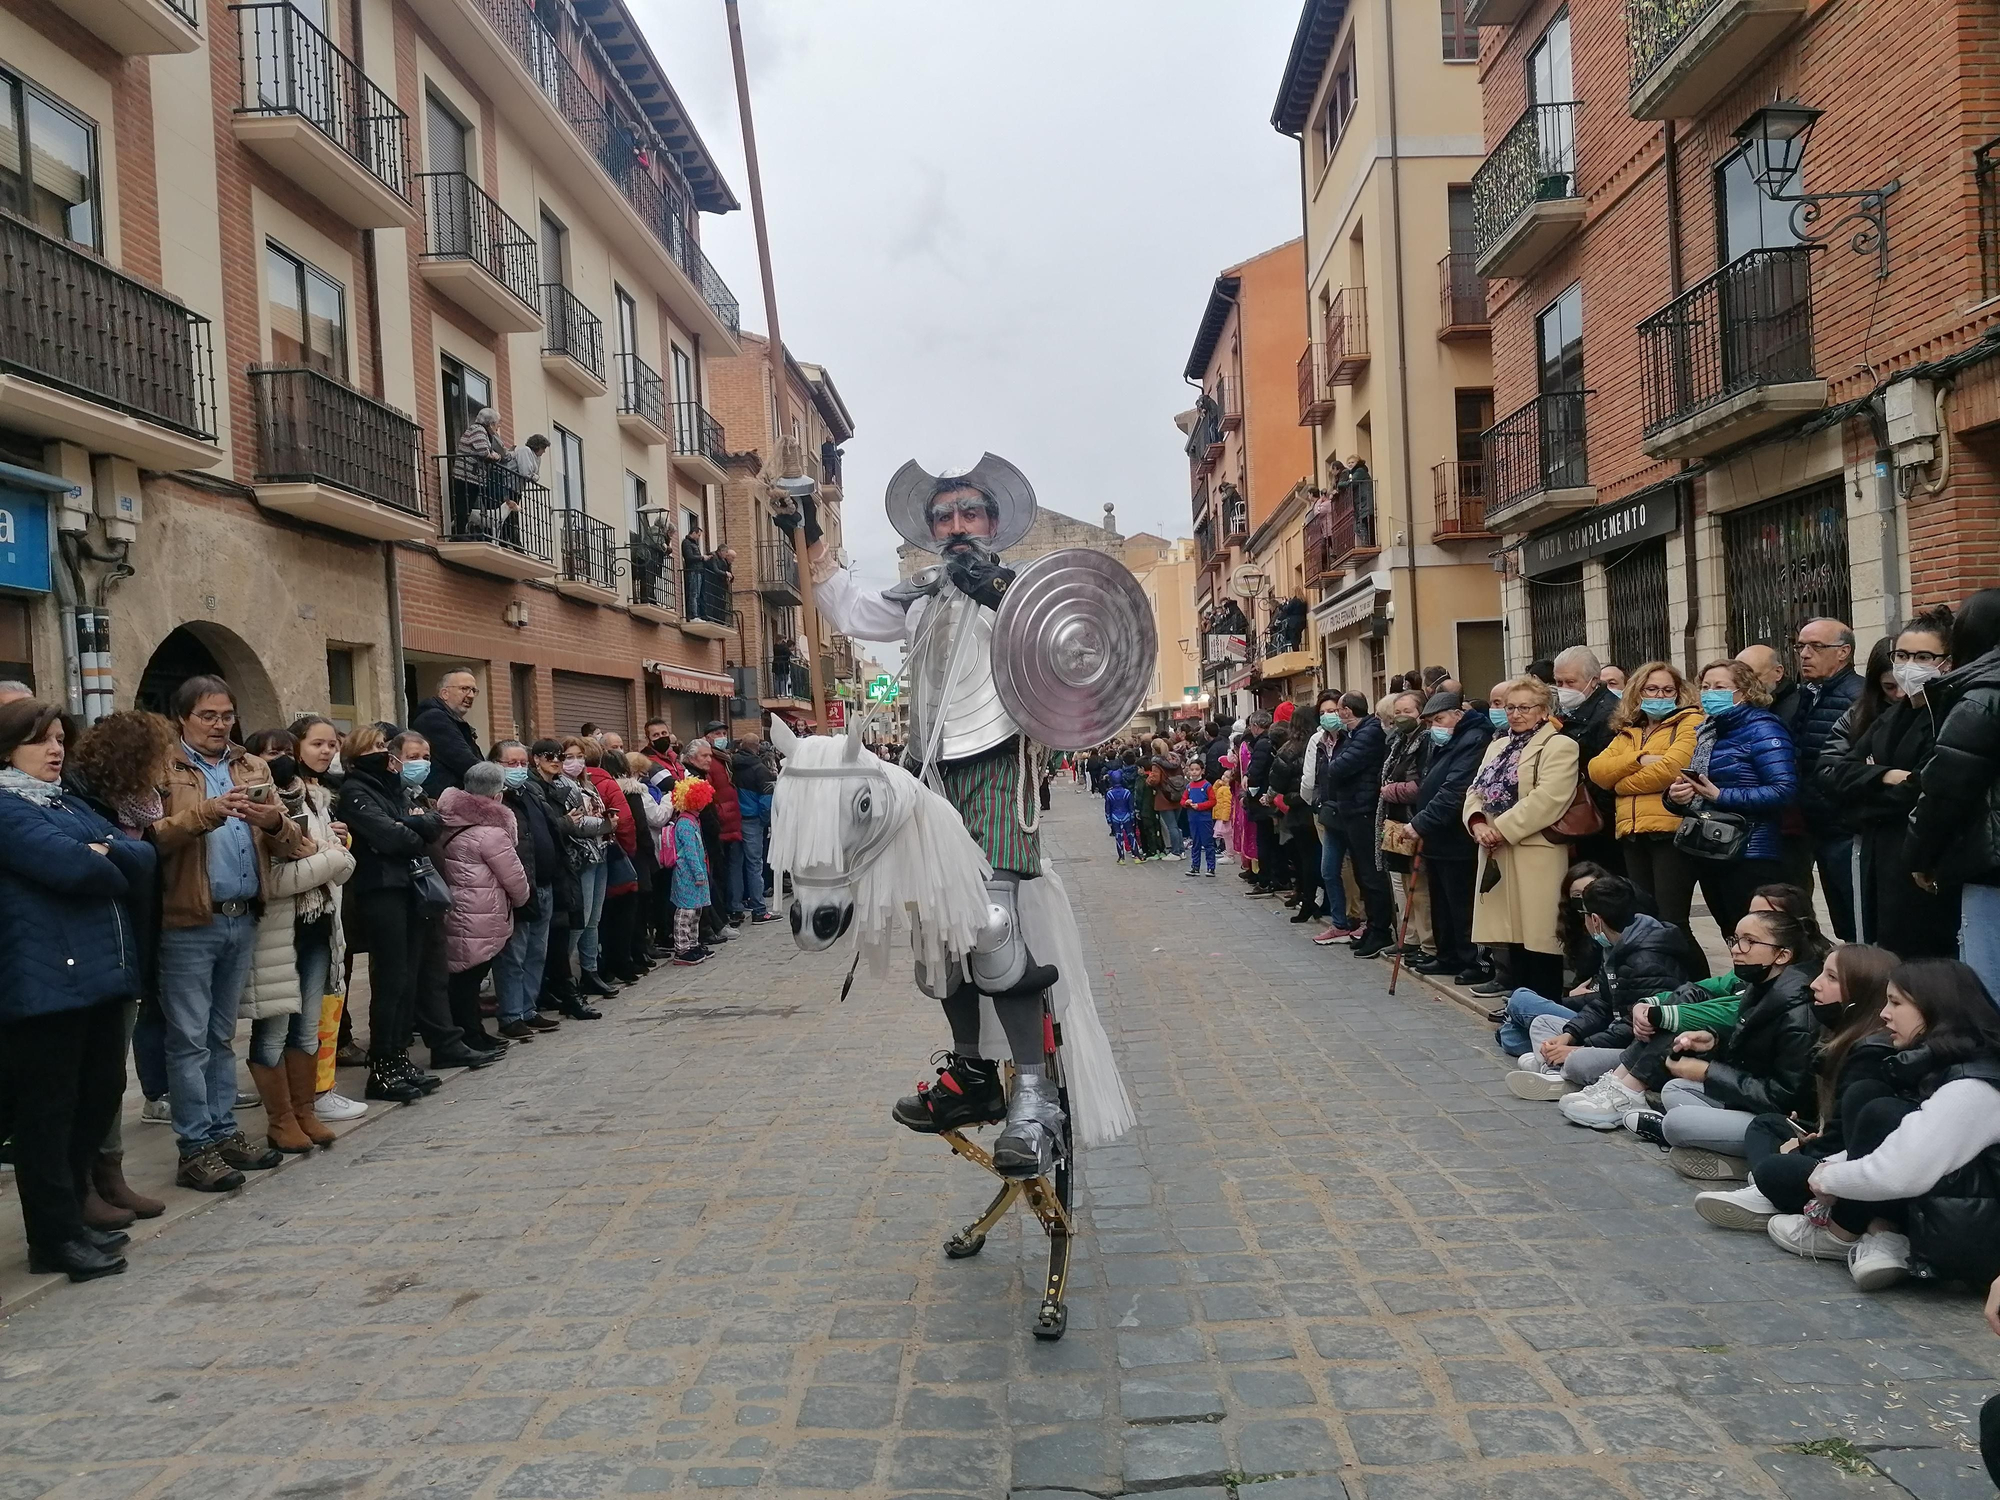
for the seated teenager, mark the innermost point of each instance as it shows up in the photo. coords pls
(1524, 1005)
(1917, 1185)
(1782, 1150)
(1637, 958)
(1703, 1006)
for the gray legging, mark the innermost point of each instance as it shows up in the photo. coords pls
(1584, 1065)
(1694, 1119)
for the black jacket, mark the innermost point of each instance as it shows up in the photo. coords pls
(1646, 960)
(1955, 1227)
(454, 747)
(567, 884)
(1287, 772)
(752, 774)
(538, 845)
(1211, 758)
(1353, 781)
(1440, 806)
(1955, 826)
(1765, 1063)
(1813, 713)
(1257, 778)
(1590, 727)
(1865, 1063)
(389, 825)
(1900, 739)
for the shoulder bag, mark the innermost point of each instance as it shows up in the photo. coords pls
(1710, 833)
(433, 896)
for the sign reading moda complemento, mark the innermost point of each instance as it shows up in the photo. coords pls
(1608, 528)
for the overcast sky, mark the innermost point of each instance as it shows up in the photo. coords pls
(996, 224)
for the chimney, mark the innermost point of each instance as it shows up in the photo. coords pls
(1110, 518)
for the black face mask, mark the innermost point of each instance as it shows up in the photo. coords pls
(662, 746)
(1753, 973)
(283, 768)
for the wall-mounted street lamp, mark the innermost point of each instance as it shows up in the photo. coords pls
(1774, 139)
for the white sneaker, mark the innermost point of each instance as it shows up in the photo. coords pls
(1703, 1165)
(1798, 1234)
(1879, 1259)
(1533, 1079)
(1745, 1208)
(334, 1105)
(157, 1111)
(1602, 1105)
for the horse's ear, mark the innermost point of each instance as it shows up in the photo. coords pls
(851, 751)
(782, 737)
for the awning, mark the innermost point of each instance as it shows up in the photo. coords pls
(693, 680)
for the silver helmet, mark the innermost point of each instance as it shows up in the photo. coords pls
(911, 489)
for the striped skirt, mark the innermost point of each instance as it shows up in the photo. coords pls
(988, 795)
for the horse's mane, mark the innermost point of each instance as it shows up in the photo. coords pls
(931, 866)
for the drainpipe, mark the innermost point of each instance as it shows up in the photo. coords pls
(1670, 162)
(1885, 511)
(1402, 330)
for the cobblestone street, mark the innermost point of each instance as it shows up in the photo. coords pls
(683, 1248)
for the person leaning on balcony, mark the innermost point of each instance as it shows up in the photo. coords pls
(1653, 737)
(479, 476)
(694, 566)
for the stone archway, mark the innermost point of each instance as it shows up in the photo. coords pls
(200, 646)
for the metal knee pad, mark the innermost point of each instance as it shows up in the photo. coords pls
(999, 957)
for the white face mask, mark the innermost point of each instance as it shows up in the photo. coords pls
(1569, 699)
(1913, 676)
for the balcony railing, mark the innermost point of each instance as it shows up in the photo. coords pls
(1228, 398)
(1223, 647)
(1236, 518)
(1347, 335)
(1200, 498)
(489, 502)
(1460, 492)
(463, 223)
(589, 555)
(1204, 541)
(707, 595)
(1282, 640)
(291, 67)
(787, 679)
(1204, 443)
(777, 568)
(185, 9)
(1461, 294)
(1534, 162)
(70, 321)
(313, 429)
(1541, 447)
(1315, 392)
(641, 391)
(698, 435)
(568, 327)
(1750, 324)
(652, 572)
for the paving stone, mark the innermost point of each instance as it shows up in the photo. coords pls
(1286, 1446)
(1522, 1432)
(1071, 1458)
(1169, 1398)
(1398, 1438)
(852, 1408)
(1172, 1455)
(1935, 1473)
(1268, 1388)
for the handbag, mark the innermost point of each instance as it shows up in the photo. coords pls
(1398, 838)
(432, 895)
(1580, 820)
(1709, 833)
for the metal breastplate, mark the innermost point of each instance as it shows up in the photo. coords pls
(955, 636)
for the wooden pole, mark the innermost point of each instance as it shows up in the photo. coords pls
(809, 614)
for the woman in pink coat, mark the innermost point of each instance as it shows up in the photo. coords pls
(478, 857)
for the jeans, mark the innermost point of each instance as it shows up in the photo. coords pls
(149, 1049)
(1694, 1119)
(1332, 850)
(1170, 830)
(750, 885)
(1979, 934)
(202, 970)
(271, 1035)
(1201, 844)
(1522, 1008)
(583, 941)
(517, 972)
(725, 884)
(1359, 831)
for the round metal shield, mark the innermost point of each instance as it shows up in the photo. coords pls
(1074, 648)
(911, 486)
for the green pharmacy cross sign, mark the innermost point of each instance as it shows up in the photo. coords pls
(883, 690)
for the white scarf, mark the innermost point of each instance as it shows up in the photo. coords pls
(21, 784)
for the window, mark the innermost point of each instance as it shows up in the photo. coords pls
(555, 250)
(1338, 107)
(308, 314)
(684, 384)
(17, 654)
(1458, 214)
(340, 699)
(445, 133)
(48, 163)
(628, 321)
(465, 391)
(1559, 337)
(1461, 42)
(521, 693)
(1548, 65)
(635, 501)
(1474, 413)
(569, 469)
(1745, 219)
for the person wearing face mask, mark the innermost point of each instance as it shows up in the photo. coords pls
(727, 878)
(540, 848)
(1353, 784)
(1403, 762)
(1955, 826)
(1874, 783)
(389, 832)
(1458, 737)
(1586, 707)
(1315, 790)
(1653, 737)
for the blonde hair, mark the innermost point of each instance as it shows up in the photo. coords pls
(1745, 679)
(1629, 712)
(1532, 685)
(637, 765)
(363, 739)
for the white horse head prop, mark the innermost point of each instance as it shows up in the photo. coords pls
(866, 844)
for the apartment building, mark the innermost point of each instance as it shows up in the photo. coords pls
(265, 265)
(1247, 455)
(1394, 378)
(1743, 258)
(1175, 694)
(798, 433)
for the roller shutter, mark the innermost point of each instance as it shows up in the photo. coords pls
(604, 701)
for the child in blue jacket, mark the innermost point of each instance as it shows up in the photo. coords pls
(1199, 800)
(1121, 811)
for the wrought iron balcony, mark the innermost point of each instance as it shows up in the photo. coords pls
(478, 256)
(1204, 442)
(1282, 640)
(1228, 398)
(706, 610)
(311, 112)
(1459, 487)
(1236, 519)
(494, 520)
(94, 357)
(1686, 54)
(699, 445)
(786, 681)
(1347, 336)
(1732, 356)
(1315, 390)
(327, 453)
(1535, 463)
(1461, 297)
(572, 340)
(642, 400)
(1524, 199)
(589, 559)
(778, 572)
(655, 594)
(1345, 531)
(1200, 499)
(1204, 542)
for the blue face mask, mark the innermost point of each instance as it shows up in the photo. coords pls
(416, 772)
(1717, 700)
(1440, 734)
(1657, 708)
(1498, 716)
(1329, 721)
(1602, 939)
(517, 776)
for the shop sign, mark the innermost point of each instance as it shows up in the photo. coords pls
(24, 540)
(1608, 528)
(836, 714)
(1345, 611)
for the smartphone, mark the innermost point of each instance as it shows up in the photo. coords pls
(262, 791)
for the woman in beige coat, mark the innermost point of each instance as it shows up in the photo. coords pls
(1524, 784)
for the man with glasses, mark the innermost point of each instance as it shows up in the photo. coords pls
(1813, 832)
(222, 827)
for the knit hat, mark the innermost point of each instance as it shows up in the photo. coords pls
(1282, 714)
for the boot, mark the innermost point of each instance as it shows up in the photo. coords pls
(276, 1091)
(98, 1214)
(302, 1074)
(967, 1091)
(1032, 1140)
(107, 1175)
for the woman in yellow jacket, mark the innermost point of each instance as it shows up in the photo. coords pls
(1656, 727)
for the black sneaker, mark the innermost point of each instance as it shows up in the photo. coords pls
(968, 1091)
(1372, 944)
(1472, 975)
(1647, 1124)
(390, 1086)
(1491, 989)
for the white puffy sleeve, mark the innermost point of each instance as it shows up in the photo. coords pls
(861, 613)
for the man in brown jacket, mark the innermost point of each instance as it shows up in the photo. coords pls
(222, 828)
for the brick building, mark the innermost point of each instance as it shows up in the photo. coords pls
(1052, 532)
(1723, 409)
(266, 263)
(769, 655)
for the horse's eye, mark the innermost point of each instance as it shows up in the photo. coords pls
(861, 803)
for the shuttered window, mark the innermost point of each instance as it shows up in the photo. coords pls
(584, 699)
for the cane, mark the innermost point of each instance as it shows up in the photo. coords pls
(1403, 927)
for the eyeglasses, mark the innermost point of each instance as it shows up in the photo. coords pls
(1737, 940)
(211, 717)
(1810, 648)
(1521, 708)
(1920, 658)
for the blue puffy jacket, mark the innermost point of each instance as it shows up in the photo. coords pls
(66, 940)
(1752, 765)
(1816, 708)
